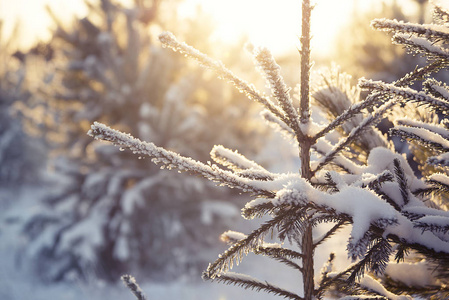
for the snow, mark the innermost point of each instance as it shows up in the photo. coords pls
(233, 236)
(212, 208)
(431, 127)
(412, 274)
(232, 159)
(442, 159)
(442, 90)
(169, 159)
(425, 134)
(370, 283)
(407, 27)
(311, 128)
(406, 93)
(401, 38)
(435, 220)
(169, 40)
(407, 231)
(440, 178)
(363, 205)
(323, 146)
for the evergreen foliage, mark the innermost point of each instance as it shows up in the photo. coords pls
(398, 229)
(139, 220)
(21, 153)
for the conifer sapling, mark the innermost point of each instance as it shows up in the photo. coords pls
(379, 196)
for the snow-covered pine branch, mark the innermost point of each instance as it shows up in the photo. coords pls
(379, 199)
(377, 98)
(243, 246)
(271, 69)
(169, 40)
(419, 45)
(370, 120)
(436, 89)
(402, 181)
(248, 282)
(422, 136)
(407, 94)
(323, 147)
(171, 160)
(240, 164)
(439, 183)
(334, 95)
(436, 128)
(441, 160)
(131, 283)
(431, 32)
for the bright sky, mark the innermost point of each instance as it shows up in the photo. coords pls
(271, 23)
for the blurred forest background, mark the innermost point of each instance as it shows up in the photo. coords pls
(76, 211)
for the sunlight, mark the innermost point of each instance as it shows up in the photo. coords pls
(277, 27)
(265, 24)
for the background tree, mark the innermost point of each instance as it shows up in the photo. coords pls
(21, 154)
(112, 212)
(372, 54)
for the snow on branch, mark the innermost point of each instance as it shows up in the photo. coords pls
(371, 211)
(276, 251)
(407, 94)
(131, 283)
(436, 88)
(243, 246)
(248, 282)
(429, 31)
(422, 45)
(422, 136)
(240, 164)
(171, 159)
(231, 237)
(370, 120)
(169, 40)
(372, 100)
(433, 223)
(440, 160)
(272, 72)
(377, 98)
(323, 147)
(438, 129)
(372, 284)
(439, 183)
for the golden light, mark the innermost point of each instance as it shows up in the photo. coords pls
(274, 24)
(277, 24)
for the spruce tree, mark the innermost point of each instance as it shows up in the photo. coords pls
(357, 180)
(21, 153)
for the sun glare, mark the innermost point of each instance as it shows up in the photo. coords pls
(274, 24)
(277, 26)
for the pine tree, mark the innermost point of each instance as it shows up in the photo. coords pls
(110, 212)
(358, 38)
(378, 194)
(21, 154)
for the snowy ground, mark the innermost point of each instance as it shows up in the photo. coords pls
(16, 283)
